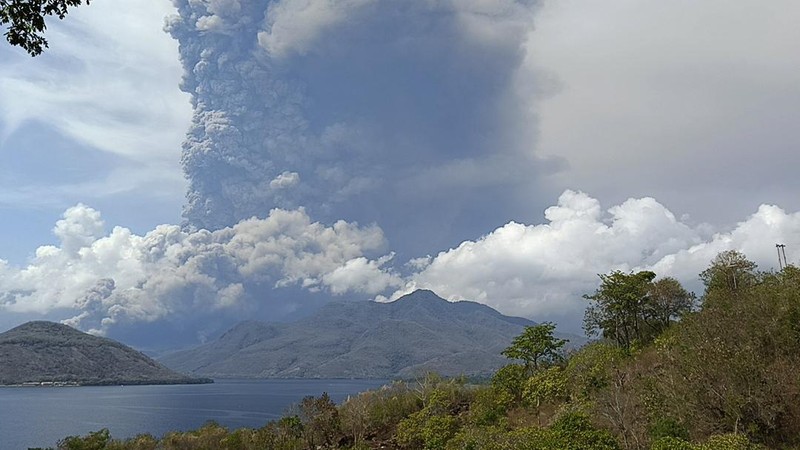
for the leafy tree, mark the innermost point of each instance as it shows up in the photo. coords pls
(545, 386)
(431, 427)
(667, 427)
(354, 415)
(489, 406)
(632, 309)
(574, 431)
(320, 419)
(591, 369)
(667, 300)
(392, 405)
(480, 438)
(25, 20)
(536, 345)
(290, 427)
(209, 435)
(617, 307)
(510, 380)
(730, 271)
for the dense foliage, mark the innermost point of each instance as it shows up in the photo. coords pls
(25, 20)
(668, 376)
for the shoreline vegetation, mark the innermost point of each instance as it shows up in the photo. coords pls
(50, 384)
(667, 372)
(43, 384)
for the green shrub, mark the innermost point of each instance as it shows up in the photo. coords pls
(668, 427)
(208, 436)
(671, 443)
(97, 440)
(574, 431)
(510, 380)
(729, 442)
(489, 406)
(588, 370)
(532, 438)
(430, 432)
(479, 438)
(390, 405)
(140, 442)
(431, 427)
(284, 434)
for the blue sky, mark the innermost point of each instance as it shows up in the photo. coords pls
(98, 119)
(495, 150)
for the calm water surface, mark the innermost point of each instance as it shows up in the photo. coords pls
(39, 417)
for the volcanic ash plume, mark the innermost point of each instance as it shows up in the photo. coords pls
(357, 109)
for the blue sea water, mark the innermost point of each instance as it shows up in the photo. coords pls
(40, 416)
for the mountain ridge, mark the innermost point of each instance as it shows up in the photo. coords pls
(417, 333)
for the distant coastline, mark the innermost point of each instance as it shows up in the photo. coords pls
(44, 384)
(51, 384)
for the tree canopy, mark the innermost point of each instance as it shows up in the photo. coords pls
(616, 307)
(667, 301)
(25, 21)
(729, 271)
(536, 345)
(631, 308)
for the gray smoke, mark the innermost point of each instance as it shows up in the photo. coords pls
(405, 113)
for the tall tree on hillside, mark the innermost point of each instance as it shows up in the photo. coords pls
(631, 308)
(729, 271)
(25, 20)
(536, 346)
(667, 301)
(617, 308)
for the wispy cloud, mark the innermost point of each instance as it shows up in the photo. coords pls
(109, 84)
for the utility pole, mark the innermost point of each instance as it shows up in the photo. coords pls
(781, 255)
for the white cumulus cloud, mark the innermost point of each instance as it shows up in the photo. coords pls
(362, 275)
(95, 279)
(104, 278)
(285, 180)
(541, 271)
